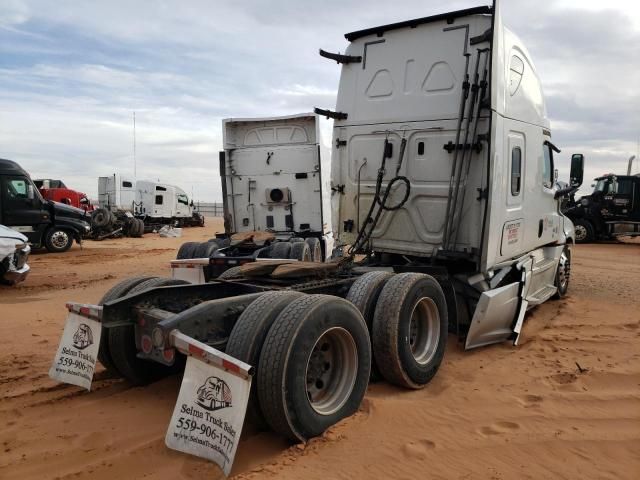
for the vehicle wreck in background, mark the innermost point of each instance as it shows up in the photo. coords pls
(14, 252)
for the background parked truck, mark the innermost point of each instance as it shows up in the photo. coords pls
(57, 191)
(45, 223)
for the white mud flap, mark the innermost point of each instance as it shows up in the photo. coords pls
(209, 413)
(189, 270)
(75, 360)
(494, 316)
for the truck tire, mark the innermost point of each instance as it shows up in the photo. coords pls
(119, 290)
(247, 337)
(140, 230)
(57, 240)
(122, 345)
(563, 272)
(316, 249)
(300, 251)
(100, 218)
(585, 233)
(281, 250)
(410, 329)
(364, 294)
(186, 250)
(314, 366)
(205, 250)
(233, 272)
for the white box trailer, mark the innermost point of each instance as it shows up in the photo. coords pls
(443, 178)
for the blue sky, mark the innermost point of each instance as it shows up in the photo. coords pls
(72, 73)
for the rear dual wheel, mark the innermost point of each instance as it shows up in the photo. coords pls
(409, 330)
(247, 337)
(314, 366)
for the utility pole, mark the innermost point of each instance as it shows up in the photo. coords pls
(134, 144)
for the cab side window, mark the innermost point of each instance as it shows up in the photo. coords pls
(16, 188)
(547, 166)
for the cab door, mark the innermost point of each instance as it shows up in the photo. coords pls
(620, 198)
(23, 208)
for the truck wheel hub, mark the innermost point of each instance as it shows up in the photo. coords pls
(331, 371)
(424, 330)
(59, 239)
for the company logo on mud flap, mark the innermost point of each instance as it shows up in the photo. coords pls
(214, 394)
(83, 337)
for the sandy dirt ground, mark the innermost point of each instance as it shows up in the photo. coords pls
(564, 404)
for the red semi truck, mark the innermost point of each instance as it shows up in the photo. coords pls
(57, 191)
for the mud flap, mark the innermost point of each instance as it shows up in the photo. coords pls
(525, 267)
(209, 413)
(75, 360)
(494, 316)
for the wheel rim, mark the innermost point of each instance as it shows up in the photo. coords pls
(581, 232)
(331, 371)
(564, 270)
(59, 239)
(424, 330)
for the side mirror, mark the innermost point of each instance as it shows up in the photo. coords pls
(555, 175)
(31, 194)
(577, 170)
(84, 201)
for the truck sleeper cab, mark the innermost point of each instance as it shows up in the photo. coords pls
(450, 198)
(45, 223)
(275, 184)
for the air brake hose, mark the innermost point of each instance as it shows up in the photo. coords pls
(364, 236)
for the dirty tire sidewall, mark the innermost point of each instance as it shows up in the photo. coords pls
(122, 345)
(300, 251)
(233, 272)
(391, 324)
(119, 290)
(281, 250)
(364, 294)
(316, 249)
(185, 250)
(282, 387)
(205, 249)
(247, 337)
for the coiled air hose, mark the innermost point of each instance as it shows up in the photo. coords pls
(370, 222)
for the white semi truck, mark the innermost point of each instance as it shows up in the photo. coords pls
(276, 180)
(443, 179)
(135, 206)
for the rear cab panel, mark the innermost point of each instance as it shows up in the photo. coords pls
(408, 85)
(275, 175)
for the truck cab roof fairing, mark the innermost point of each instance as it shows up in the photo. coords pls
(516, 89)
(449, 17)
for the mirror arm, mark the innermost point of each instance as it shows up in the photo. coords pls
(563, 192)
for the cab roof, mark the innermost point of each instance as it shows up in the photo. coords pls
(9, 166)
(449, 17)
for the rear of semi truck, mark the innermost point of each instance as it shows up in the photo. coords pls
(440, 173)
